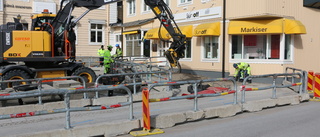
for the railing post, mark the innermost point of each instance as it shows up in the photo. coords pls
(274, 87)
(39, 89)
(195, 89)
(67, 103)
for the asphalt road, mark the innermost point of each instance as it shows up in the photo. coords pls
(287, 121)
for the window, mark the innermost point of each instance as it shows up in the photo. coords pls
(187, 51)
(211, 47)
(145, 7)
(118, 38)
(287, 47)
(185, 1)
(96, 33)
(131, 7)
(1, 5)
(164, 46)
(133, 47)
(167, 2)
(263, 47)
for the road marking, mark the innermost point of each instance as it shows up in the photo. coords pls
(228, 103)
(218, 99)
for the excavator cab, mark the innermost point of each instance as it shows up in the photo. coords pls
(39, 20)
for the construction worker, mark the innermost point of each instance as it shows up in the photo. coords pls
(107, 59)
(242, 71)
(101, 54)
(118, 51)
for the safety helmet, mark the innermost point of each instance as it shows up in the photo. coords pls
(117, 45)
(110, 46)
(235, 65)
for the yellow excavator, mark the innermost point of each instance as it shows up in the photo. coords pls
(48, 49)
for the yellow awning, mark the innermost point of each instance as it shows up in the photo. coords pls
(130, 32)
(154, 34)
(207, 29)
(294, 27)
(186, 30)
(286, 26)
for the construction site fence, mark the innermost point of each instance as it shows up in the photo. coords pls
(67, 109)
(151, 85)
(274, 86)
(67, 92)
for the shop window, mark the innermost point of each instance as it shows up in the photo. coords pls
(133, 47)
(96, 33)
(187, 51)
(263, 47)
(163, 46)
(211, 47)
(287, 47)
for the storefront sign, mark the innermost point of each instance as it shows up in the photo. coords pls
(253, 29)
(201, 31)
(193, 15)
(16, 6)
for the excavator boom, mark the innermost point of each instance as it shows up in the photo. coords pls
(165, 16)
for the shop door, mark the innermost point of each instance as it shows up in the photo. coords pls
(146, 48)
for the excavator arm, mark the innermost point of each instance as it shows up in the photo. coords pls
(62, 25)
(165, 16)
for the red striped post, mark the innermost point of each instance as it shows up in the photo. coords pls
(310, 80)
(317, 85)
(145, 109)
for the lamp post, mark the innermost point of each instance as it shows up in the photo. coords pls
(223, 38)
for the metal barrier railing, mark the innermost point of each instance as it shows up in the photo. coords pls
(66, 93)
(40, 81)
(195, 85)
(274, 86)
(134, 84)
(304, 74)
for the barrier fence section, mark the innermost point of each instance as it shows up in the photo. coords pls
(274, 86)
(304, 77)
(41, 80)
(195, 85)
(137, 72)
(316, 90)
(310, 81)
(134, 84)
(66, 93)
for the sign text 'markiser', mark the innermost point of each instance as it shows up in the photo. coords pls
(254, 29)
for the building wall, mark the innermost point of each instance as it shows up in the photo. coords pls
(306, 46)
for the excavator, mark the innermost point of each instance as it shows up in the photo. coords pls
(48, 49)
